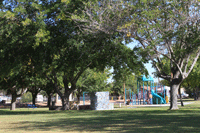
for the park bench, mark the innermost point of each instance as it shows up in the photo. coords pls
(31, 106)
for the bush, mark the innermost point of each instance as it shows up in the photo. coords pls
(27, 97)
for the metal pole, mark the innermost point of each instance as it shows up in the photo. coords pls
(147, 91)
(164, 93)
(151, 100)
(130, 95)
(135, 99)
(138, 91)
(143, 92)
(132, 98)
(156, 93)
(83, 98)
(151, 89)
(125, 95)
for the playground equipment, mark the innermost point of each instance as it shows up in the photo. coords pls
(84, 97)
(147, 93)
(132, 96)
(158, 96)
(144, 91)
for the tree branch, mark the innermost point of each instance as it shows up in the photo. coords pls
(193, 63)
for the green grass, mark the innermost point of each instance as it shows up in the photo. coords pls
(151, 119)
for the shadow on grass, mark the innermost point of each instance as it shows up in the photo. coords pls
(187, 100)
(26, 112)
(119, 121)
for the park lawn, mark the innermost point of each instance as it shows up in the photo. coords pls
(151, 119)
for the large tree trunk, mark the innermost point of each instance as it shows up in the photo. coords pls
(173, 96)
(49, 101)
(13, 102)
(33, 98)
(78, 96)
(179, 91)
(65, 103)
(78, 99)
(194, 94)
(197, 93)
(65, 100)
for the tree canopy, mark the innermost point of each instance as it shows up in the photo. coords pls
(45, 40)
(62, 39)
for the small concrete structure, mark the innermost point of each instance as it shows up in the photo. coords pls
(100, 101)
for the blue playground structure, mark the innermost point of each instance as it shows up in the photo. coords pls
(158, 96)
(145, 88)
(132, 97)
(146, 85)
(84, 97)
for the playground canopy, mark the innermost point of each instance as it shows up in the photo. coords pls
(147, 79)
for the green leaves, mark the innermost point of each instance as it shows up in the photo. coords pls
(26, 22)
(42, 36)
(10, 15)
(66, 1)
(93, 80)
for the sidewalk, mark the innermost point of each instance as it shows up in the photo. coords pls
(158, 105)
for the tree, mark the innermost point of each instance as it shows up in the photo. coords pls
(169, 31)
(77, 60)
(34, 91)
(49, 89)
(20, 34)
(101, 16)
(55, 43)
(125, 64)
(15, 84)
(71, 51)
(118, 84)
(92, 80)
(49, 34)
(36, 82)
(192, 82)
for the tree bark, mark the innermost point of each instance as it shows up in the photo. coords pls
(197, 93)
(78, 99)
(173, 96)
(33, 98)
(78, 96)
(194, 94)
(179, 91)
(49, 101)
(13, 102)
(65, 103)
(65, 100)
